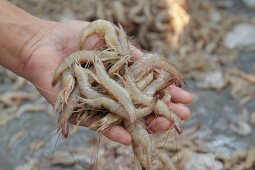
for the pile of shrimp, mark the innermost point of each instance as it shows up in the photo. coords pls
(115, 89)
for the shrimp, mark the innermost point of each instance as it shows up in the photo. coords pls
(83, 83)
(159, 84)
(126, 53)
(29, 108)
(153, 86)
(166, 161)
(67, 112)
(106, 122)
(155, 61)
(68, 83)
(160, 108)
(102, 28)
(167, 96)
(16, 97)
(108, 103)
(114, 88)
(123, 39)
(82, 56)
(141, 144)
(145, 81)
(117, 109)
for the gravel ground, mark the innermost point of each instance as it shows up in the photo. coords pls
(213, 111)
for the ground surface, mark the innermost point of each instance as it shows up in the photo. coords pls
(212, 112)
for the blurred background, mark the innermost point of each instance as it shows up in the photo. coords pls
(212, 43)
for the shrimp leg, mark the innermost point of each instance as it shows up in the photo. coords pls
(83, 82)
(160, 83)
(116, 108)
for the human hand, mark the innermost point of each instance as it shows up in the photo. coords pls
(59, 39)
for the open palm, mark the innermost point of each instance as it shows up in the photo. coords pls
(61, 39)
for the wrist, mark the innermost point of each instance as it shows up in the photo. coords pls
(38, 31)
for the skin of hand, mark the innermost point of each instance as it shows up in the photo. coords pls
(42, 46)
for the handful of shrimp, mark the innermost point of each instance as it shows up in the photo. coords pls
(110, 85)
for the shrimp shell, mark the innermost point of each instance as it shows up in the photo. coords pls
(16, 97)
(68, 83)
(106, 122)
(81, 57)
(161, 107)
(67, 112)
(155, 61)
(83, 82)
(102, 28)
(114, 89)
(141, 144)
(126, 53)
(145, 81)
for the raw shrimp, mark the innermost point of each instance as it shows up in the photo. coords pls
(106, 122)
(141, 144)
(68, 83)
(161, 107)
(166, 161)
(123, 39)
(102, 28)
(167, 96)
(83, 82)
(126, 53)
(67, 112)
(145, 81)
(155, 61)
(81, 57)
(116, 108)
(114, 88)
(16, 97)
(156, 85)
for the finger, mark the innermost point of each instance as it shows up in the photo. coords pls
(93, 42)
(118, 134)
(182, 111)
(114, 133)
(160, 123)
(135, 52)
(179, 95)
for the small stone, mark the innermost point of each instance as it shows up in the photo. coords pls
(241, 37)
(214, 80)
(249, 3)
